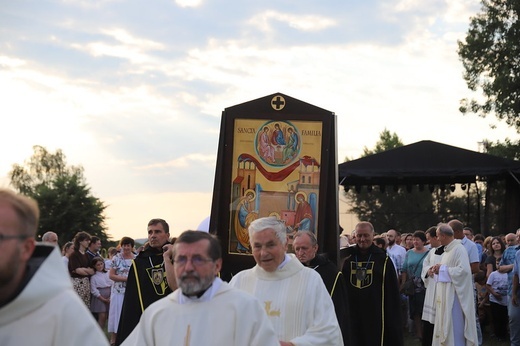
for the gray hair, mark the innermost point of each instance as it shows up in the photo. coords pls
(46, 236)
(364, 224)
(311, 236)
(445, 229)
(271, 222)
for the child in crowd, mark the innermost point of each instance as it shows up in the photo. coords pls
(100, 287)
(497, 287)
(484, 311)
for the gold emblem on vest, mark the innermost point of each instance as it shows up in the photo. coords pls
(158, 278)
(361, 274)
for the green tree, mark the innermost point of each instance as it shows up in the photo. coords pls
(507, 149)
(491, 59)
(495, 215)
(66, 203)
(387, 141)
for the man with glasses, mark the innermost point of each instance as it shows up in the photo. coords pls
(147, 281)
(204, 310)
(38, 305)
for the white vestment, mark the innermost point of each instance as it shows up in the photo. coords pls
(48, 311)
(455, 260)
(429, 282)
(296, 301)
(222, 316)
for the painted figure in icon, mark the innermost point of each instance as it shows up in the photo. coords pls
(303, 218)
(277, 137)
(244, 216)
(292, 146)
(266, 149)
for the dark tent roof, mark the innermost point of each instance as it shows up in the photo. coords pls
(425, 162)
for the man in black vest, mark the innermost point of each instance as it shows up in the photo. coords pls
(372, 292)
(147, 281)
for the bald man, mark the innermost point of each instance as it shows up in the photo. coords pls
(50, 237)
(511, 239)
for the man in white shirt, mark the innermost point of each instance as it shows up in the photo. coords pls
(204, 310)
(396, 252)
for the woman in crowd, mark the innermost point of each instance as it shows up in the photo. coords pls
(66, 251)
(487, 246)
(412, 268)
(112, 251)
(407, 242)
(79, 267)
(118, 273)
(497, 249)
(100, 287)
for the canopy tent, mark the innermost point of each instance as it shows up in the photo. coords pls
(426, 162)
(432, 163)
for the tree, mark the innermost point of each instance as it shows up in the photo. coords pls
(491, 59)
(495, 213)
(66, 203)
(507, 149)
(386, 142)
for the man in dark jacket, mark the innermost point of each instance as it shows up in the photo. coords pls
(372, 291)
(305, 248)
(147, 281)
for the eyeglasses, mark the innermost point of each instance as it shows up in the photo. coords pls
(17, 236)
(196, 261)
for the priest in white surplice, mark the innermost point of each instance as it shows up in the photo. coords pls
(204, 310)
(294, 297)
(454, 306)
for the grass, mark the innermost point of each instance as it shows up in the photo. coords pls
(488, 339)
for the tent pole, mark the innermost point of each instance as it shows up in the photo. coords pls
(514, 177)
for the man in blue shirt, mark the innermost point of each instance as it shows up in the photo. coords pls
(507, 265)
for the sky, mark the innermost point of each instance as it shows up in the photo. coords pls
(133, 91)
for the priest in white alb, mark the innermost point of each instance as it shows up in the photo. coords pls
(294, 297)
(204, 310)
(454, 306)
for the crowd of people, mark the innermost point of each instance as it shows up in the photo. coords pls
(487, 274)
(443, 286)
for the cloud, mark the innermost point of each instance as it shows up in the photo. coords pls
(182, 162)
(189, 3)
(135, 50)
(9, 62)
(264, 21)
(135, 94)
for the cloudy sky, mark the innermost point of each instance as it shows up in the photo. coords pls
(133, 91)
